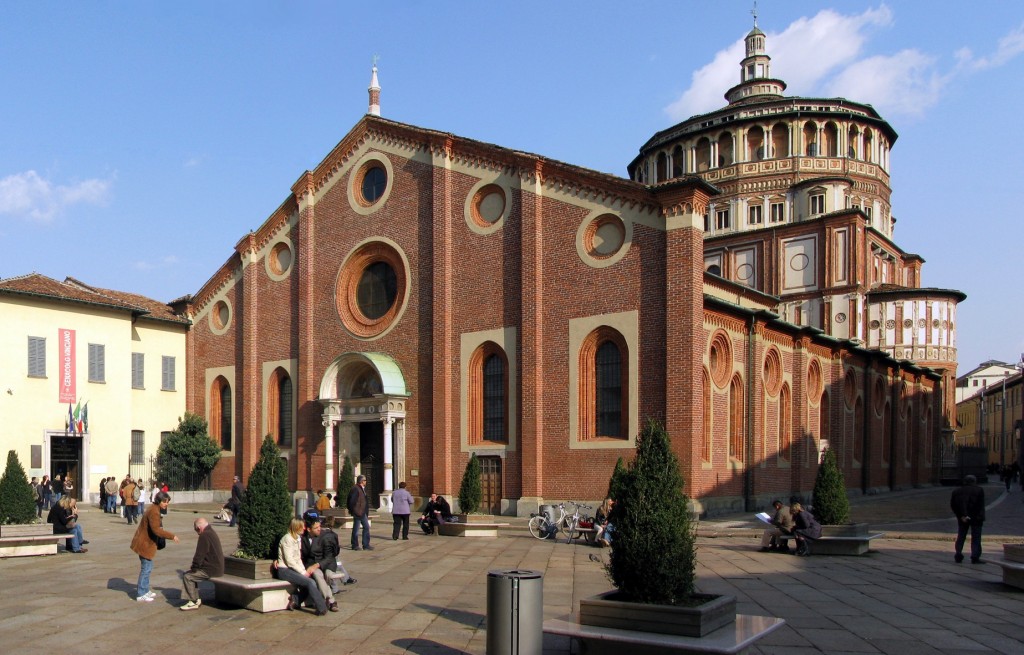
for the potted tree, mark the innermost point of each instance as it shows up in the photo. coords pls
(18, 513)
(654, 556)
(263, 516)
(831, 507)
(469, 492)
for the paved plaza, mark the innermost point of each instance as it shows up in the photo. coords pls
(428, 595)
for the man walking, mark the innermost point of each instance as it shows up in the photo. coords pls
(968, 503)
(358, 506)
(208, 562)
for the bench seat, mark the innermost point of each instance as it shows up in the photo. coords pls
(733, 638)
(470, 529)
(28, 545)
(845, 545)
(1013, 572)
(267, 595)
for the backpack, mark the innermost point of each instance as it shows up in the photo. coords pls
(136, 493)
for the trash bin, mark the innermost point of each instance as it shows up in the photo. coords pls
(300, 505)
(515, 612)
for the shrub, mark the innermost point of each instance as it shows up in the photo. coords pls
(470, 493)
(266, 507)
(17, 498)
(347, 477)
(831, 505)
(653, 556)
(615, 484)
(187, 455)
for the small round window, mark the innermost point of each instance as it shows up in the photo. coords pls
(377, 290)
(375, 181)
(279, 260)
(220, 317)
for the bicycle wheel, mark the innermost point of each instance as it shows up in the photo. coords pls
(539, 527)
(571, 530)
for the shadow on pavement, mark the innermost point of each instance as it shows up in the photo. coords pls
(471, 619)
(427, 647)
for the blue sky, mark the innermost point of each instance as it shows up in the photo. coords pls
(141, 141)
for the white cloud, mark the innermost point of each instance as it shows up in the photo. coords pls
(1009, 47)
(28, 195)
(802, 55)
(905, 83)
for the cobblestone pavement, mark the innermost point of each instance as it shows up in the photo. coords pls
(428, 595)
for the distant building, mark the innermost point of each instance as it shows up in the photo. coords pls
(117, 358)
(992, 416)
(979, 378)
(420, 297)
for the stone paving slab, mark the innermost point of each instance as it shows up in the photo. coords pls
(428, 595)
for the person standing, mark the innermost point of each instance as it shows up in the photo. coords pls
(208, 562)
(401, 507)
(143, 497)
(130, 492)
(57, 487)
(235, 502)
(145, 544)
(103, 495)
(69, 486)
(47, 490)
(37, 489)
(358, 507)
(111, 487)
(968, 504)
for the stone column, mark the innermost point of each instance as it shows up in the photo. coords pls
(389, 480)
(400, 471)
(328, 422)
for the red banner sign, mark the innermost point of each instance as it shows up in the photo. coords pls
(66, 344)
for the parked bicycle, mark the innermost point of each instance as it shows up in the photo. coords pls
(546, 526)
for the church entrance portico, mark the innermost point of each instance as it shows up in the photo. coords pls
(364, 399)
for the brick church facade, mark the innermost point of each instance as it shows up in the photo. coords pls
(419, 297)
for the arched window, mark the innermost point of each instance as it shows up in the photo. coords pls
(736, 419)
(824, 425)
(488, 394)
(662, 167)
(220, 412)
(678, 161)
(604, 385)
(858, 430)
(725, 155)
(279, 407)
(780, 140)
(810, 139)
(703, 155)
(886, 432)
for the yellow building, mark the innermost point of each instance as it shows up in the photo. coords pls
(992, 419)
(118, 358)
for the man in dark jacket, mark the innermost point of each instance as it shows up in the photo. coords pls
(358, 507)
(208, 562)
(437, 512)
(237, 491)
(968, 503)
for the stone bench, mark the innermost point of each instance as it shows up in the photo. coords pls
(340, 519)
(733, 638)
(469, 529)
(845, 545)
(30, 544)
(1013, 572)
(267, 595)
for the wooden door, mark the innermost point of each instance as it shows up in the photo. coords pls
(490, 484)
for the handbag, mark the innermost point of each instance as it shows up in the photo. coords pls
(160, 542)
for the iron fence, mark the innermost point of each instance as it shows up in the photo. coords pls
(178, 474)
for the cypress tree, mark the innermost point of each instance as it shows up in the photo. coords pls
(346, 479)
(654, 556)
(615, 483)
(470, 493)
(266, 506)
(831, 505)
(17, 498)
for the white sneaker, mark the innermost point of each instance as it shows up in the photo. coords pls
(145, 598)
(151, 594)
(191, 605)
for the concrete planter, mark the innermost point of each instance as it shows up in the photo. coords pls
(1013, 552)
(608, 611)
(252, 569)
(845, 530)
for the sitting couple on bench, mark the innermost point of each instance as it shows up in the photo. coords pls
(793, 521)
(437, 512)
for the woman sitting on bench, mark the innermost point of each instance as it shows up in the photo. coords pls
(806, 527)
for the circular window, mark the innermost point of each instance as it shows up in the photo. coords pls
(279, 260)
(374, 181)
(604, 236)
(840, 317)
(488, 205)
(370, 183)
(772, 372)
(372, 289)
(921, 323)
(220, 316)
(720, 359)
(935, 324)
(603, 240)
(890, 324)
(875, 324)
(907, 323)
